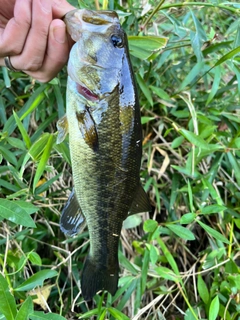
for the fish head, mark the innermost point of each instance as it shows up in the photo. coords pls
(96, 58)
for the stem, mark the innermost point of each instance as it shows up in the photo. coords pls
(230, 239)
(153, 13)
(185, 298)
(186, 4)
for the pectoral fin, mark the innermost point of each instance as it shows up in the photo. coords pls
(72, 220)
(88, 129)
(140, 202)
(62, 126)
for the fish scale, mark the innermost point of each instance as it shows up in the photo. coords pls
(105, 141)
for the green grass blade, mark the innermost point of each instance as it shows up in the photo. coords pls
(214, 309)
(43, 161)
(215, 234)
(7, 305)
(23, 131)
(36, 280)
(25, 309)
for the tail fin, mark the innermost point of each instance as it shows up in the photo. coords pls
(96, 278)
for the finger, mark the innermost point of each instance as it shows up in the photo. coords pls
(57, 53)
(60, 8)
(13, 37)
(32, 56)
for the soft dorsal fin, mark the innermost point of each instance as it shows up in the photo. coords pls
(72, 220)
(140, 202)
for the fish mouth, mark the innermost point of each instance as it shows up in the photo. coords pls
(86, 93)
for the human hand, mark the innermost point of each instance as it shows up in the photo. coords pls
(33, 35)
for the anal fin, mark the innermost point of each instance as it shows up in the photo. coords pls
(72, 220)
(140, 202)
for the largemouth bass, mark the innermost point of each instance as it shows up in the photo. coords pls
(105, 140)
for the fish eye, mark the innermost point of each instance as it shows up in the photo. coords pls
(117, 41)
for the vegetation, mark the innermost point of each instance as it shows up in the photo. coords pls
(181, 261)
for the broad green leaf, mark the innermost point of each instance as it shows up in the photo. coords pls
(199, 141)
(228, 56)
(45, 186)
(187, 218)
(6, 77)
(21, 263)
(190, 196)
(202, 289)
(189, 315)
(235, 280)
(86, 315)
(146, 119)
(154, 253)
(16, 143)
(142, 47)
(8, 155)
(177, 142)
(169, 257)
(126, 263)
(187, 99)
(17, 213)
(237, 222)
(215, 85)
(215, 208)
(25, 309)
(235, 166)
(39, 315)
(132, 221)
(23, 131)
(117, 314)
(150, 225)
(34, 100)
(198, 37)
(43, 161)
(145, 264)
(7, 302)
(168, 274)
(144, 88)
(160, 93)
(36, 280)
(60, 101)
(35, 258)
(181, 232)
(224, 58)
(215, 234)
(27, 206)
(103, 315)
(193, 74)
(37, 148)
(125, 298)
(214, 309)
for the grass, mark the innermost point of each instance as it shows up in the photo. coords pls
(181, 261)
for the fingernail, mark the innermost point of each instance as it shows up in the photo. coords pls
(59, 34)
(46, 5)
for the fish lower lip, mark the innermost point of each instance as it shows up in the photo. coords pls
(86, 93)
